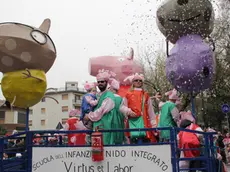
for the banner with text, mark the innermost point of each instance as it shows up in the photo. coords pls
(117, 159)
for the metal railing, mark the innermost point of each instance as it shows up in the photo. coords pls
(20, 156)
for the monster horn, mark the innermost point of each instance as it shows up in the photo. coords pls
(131, 54)
(45, 26)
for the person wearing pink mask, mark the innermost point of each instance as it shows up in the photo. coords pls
(169, 115)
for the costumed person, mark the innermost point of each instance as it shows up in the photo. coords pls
(188, 140)
(122, 111)
(103, 116)
(139, 102)
(89, 102)
(74, 123)
(169, 115)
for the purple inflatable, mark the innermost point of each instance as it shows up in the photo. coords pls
(190, 66)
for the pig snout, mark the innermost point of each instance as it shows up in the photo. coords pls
(97, 63)
(127, 69)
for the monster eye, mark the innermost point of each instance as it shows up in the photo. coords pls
(207, 14)
(161, 20)
(39, 37)
(121, 59)
(206, 72)
(182, 2)
(171, 76)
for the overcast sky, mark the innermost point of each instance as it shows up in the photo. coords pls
(81, 29)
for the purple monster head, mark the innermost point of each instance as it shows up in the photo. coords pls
(191, 64)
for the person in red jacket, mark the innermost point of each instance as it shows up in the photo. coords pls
(74, 123)
(188, 140)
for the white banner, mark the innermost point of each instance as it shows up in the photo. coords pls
(116, 159)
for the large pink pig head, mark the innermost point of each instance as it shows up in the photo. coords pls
(121, 65)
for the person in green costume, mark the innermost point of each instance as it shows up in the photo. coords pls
(122, 111)
(104, 114)
(169, 115)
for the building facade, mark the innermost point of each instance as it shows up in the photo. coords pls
(14, 119)
(47, 114)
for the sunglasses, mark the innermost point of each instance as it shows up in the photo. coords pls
(100, 82)
(137, 80)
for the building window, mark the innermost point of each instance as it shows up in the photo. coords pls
(43, 122)
(77, 97)
(31, 111)
(64, 96)
(21, 118)
(2, 115)
(30, 122)
(2, 121)
(65, 109)
(72, 85)
(77, 107)
(64, 121)
(43, 99)
(43, 110)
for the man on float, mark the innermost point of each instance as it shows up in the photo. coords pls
(74, 123)
(169, 115)
(105, 112)
(122, 111)
(139, 102)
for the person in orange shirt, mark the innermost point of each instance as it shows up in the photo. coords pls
(139, 102)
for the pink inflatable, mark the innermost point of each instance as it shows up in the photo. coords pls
(122, 66)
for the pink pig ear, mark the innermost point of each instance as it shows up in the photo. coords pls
(131, 54)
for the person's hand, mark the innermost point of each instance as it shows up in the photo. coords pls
(86, 118)
(154, 126)
(219, 157)
(132, 114)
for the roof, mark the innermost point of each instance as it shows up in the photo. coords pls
(65, 90)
